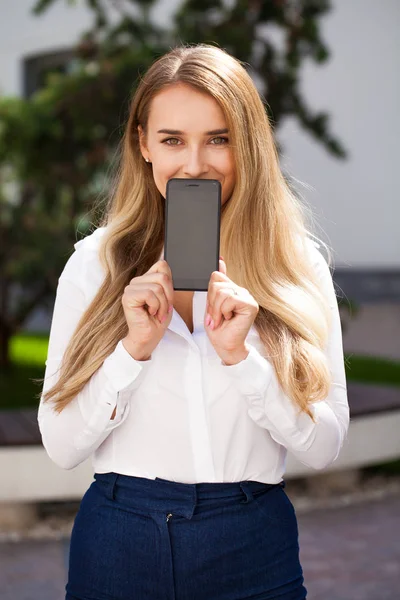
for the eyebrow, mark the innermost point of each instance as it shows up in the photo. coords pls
(178, 132)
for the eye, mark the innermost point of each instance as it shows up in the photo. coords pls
(219, 141)
(171, 141)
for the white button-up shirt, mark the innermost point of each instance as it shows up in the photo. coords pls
(183, 415)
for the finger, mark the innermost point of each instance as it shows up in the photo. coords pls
(161, 266)
(227, 315)
(151, 294)
(138, 298)
(226, 309)
(222, 266)
(213, 285)
(163, 305)
(224, 304)
(219, 275)
(161, 273)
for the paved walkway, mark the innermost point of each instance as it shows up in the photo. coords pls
(32, 570)
(352, 553)
(348, 553)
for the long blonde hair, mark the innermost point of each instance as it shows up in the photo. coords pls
(263, 221)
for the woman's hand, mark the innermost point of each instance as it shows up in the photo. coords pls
(148, 303)
(229, 316)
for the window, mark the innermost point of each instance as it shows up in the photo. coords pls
(37, 68)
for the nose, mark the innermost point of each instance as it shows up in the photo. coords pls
(195, 164)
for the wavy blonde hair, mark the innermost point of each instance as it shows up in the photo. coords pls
(262, 221)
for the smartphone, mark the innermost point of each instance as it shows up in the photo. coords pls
(192, 231)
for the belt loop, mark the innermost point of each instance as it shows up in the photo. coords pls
(110, 489)
(195, 496)
(247, 491)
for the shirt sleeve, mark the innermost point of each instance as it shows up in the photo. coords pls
(71, 436)
(315, 444)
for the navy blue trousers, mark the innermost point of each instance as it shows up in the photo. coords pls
(142, 539)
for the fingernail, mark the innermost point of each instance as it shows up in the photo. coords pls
(171, 308)
(222, 258)
(208, 320)
(212, 324)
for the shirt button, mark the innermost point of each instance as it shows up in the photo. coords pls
(169, 515)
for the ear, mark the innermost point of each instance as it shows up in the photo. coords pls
(142, 142)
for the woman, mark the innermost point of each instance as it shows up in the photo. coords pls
(188, 402)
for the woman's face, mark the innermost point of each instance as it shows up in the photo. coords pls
(187, 137)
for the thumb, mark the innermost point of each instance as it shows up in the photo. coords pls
(222, 265)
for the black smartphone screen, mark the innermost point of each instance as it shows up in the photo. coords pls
(192, 231)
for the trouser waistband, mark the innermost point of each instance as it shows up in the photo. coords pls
(162, 495)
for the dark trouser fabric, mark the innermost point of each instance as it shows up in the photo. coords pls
(143, 539)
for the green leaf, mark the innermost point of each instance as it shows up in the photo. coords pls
(57, 146)
(41, 6)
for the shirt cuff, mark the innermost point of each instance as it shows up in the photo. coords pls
(122, 370)
(119, 373)
(252, 375)
(100, 421)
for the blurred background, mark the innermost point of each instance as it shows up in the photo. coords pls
(329, 71)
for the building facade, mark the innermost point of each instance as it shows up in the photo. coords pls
(354, 201)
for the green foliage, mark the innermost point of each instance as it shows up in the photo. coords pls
(274, 38)
(372, 369)
(18, 388)
(29, 349)
(56, 147)
(18, 385)
(55, 150)
(249, 31)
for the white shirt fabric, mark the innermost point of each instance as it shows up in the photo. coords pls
(183, 415)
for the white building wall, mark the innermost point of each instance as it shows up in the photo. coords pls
(355, 201)
(23, 35)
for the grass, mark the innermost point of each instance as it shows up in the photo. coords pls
(29, 349)
(29, 352)
(368, 369)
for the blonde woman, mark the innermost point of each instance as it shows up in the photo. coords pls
(188, 402)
